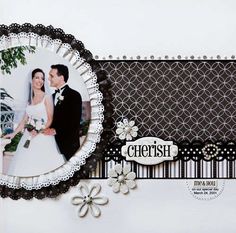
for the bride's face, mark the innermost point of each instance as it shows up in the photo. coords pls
(38, 81)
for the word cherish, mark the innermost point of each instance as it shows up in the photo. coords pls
(149, 150)
(155, 150)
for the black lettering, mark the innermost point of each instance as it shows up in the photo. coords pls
(166, 150)
(137, 151)
(150, 154)
(132, 148)
(160, 152)
(144, 149)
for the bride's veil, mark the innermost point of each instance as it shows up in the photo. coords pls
(24, 100)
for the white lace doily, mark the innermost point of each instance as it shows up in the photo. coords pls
(95, 128)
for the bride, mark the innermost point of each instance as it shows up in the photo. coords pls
(36, 152)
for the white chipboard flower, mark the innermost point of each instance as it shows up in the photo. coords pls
(121, 179)
(126, 130)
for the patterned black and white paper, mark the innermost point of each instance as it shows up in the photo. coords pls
(192, 102)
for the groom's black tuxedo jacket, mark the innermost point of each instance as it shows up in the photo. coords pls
(66, 121)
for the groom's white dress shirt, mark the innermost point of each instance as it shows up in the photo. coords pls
(59, 93)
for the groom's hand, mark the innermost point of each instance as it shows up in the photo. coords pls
(33, 133)
(49, 131)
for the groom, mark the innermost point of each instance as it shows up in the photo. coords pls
(67, 112)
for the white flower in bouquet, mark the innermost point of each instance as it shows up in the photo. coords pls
(32, 122)
(39, 125)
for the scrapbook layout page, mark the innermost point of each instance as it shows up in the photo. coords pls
(88, 141)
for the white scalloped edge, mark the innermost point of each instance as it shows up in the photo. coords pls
(95, 128)
(166, 57)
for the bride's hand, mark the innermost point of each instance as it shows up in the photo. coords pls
(49, 131)
(10, 136)
(33, 133)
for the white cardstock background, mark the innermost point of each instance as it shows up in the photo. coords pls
(132, 28)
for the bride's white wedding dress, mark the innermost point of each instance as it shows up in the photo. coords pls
(42, 155)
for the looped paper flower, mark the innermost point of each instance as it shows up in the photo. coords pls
(121, 179)
(126, 130)
(89, 200)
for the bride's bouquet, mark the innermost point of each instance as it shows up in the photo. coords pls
(34, 124)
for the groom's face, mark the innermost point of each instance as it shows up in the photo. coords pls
(54, 79)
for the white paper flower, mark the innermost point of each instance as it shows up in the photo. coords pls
(121, 179)
(88, 200)
(126, 130)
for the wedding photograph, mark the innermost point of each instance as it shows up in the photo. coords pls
(45, 111)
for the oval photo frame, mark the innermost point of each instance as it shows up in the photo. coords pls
(85, 159)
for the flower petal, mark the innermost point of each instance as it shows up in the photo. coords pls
(134, 134)
(122, 136)
(120, 124)
(126, 122)
(83, 210)
(130, 183)
(118, 168)
(135, 128)
(130, 176)
(126, 169)
(111, 181)
(131, 123)
(119, 130)
(95, 211)
(128, 137)
(77, 200)
(94, 191)
(112, 173)
(83, 188)
(124, 188)
(100, 200)
(116, 187)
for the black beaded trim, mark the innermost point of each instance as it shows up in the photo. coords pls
(104, 86)
(186, 151)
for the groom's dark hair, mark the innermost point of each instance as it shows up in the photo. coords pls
(61, 70)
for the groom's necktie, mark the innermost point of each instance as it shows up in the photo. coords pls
(59, 90)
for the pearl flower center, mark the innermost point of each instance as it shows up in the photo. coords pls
(127, 129)
(88, 200)
(121, 178)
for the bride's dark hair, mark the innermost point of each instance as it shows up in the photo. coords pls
(41, 71)
(31, 93)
